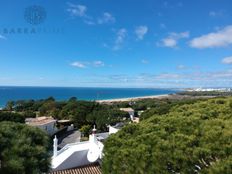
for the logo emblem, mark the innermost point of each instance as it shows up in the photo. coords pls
(35, 14)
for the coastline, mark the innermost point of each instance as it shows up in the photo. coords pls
(129, 98)
(133, 98)
(81, 93)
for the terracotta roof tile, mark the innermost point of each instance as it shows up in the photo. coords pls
(127, 109)
(89, 169)
(39, 120)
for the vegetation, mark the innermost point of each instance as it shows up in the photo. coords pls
(81, 113)
(9, 116)
(85, 130)
(187, 138)
(23, 149)
(175, 135)
(163, 106)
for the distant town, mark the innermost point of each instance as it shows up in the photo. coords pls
(210, 89)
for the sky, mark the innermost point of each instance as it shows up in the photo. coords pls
(116, 43)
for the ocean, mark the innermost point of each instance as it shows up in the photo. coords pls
(82, 93)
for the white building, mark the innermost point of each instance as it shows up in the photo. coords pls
(115, 128)
(77, 154)
(81, 153)
(44, 123)
(210, 89)
(130, 111)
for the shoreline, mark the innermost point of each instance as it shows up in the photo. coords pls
(162, 96)
(134, 98)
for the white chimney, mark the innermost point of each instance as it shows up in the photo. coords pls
(55, 142)
(92, 137)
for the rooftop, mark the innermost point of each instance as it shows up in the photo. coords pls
(39, 120)
(102, 136)
(127, 109)
(119, 125)
(70, 137)
(88, 169)
(64, 121)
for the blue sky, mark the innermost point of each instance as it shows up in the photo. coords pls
(123, 43)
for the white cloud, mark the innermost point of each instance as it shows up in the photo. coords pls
(180, 67)
(167, 4)
(216, 13)
(173, 38)
(212, 14)
(77, 10)
(41, 78)
(106, 18)
(89, 22)
(169, 42)
(105, 45)
(197, 79)
(220, 38)
(163, 26)
(140, 31)
(227, 60)
(98, 63)
(78, 64)
(121, 34)
(2, 37)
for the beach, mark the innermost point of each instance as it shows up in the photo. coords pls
(168, 96)
(134, 98)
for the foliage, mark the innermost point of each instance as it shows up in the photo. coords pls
(190, 138)
(79, 112)
(9, 116)
(23, 149)
(163, 106)
(104, 117)
(10, 105)
(85, 130)
(29, 114)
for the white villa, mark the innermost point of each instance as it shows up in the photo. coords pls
(80, 153)
(130, 111)
(44, 123)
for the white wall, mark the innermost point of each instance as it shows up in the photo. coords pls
(112, 130)
(49, 127)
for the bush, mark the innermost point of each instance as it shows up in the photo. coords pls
(85, 130)
(9, 116)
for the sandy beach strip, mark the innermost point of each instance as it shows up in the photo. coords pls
(133, 98)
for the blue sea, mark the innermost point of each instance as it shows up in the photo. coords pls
(82, 93)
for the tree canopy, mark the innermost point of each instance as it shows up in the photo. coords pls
(9, 116)
(80, 112)
(23, 149)
(189, 138)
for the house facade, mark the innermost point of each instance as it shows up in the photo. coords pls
(45, 123)
(130, 111)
